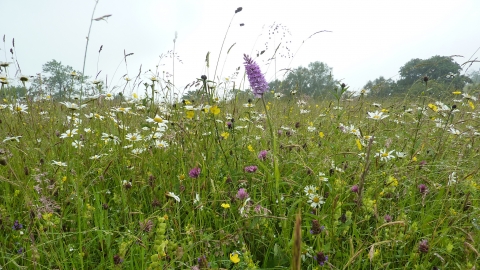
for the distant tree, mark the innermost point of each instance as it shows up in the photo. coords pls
(380, 87)
(441, 69)
(474, 87)
(475, 76)
(314, 80)
(59, 80)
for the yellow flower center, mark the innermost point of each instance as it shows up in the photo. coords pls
(158, 119)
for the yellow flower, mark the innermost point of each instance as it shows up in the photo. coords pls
(321, 134)
(234, 258)
(471, 105)
(190, 114)
(250, 148)
(359, 145)
(225, 135)
(456, 93)
(215, 110)
(225, 205)
(433, 107)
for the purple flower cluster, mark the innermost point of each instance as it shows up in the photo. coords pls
(251, 169)
(242, 194)
(423, 246)
(262, 155)
(321, 258)
(17, 225)
(255, 77)
(423, 189)
(316, 228)
(194, 173)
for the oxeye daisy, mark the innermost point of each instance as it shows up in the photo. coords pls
(315, 200)
(310, 190)
(133, 137)
(77, 144)
(59, 163)
(109, 96)
(376, 115)
(157, 119)
(19, 108)
(73, 106)
(385, 155)
(69, 133)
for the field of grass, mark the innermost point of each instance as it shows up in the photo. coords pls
(259, 180)
(220, 184)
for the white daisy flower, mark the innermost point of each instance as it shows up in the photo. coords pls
(376, 115)
(315, 201)
(59, 163)
(172, 195)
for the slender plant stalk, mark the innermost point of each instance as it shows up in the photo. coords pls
(86, 49)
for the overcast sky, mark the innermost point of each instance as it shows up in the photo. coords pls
(368, 39)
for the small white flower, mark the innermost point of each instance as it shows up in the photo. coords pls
(73, 106)
(172, 195)
(77, 144)
(376, 115)
(309, 190)
(384, 155)
(19, 108)
(69, 133)
(315, 201)
(133, 137)
(452, 178)
(59, 163)
(468, 96)
(109, 96)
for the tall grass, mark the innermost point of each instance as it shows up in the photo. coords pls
(131, 183)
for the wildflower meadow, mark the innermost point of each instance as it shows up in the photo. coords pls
(238, 175)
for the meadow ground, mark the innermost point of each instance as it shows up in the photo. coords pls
(108, 183)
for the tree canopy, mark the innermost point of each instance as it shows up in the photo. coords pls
(443, 73)
(313, 80)
(59, 79)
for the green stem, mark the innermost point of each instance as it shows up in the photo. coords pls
(274, 150)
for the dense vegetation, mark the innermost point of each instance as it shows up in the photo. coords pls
(304, 175)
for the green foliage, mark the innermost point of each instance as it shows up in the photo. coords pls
(381, 87)
(443, 78)
(58, 80)
(315, 80)
(442, 69)
(113, 203)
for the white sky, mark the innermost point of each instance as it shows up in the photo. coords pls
(368, 39)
